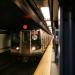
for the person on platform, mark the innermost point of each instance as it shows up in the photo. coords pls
(56, 48)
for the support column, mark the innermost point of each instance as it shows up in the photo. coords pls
(66, 41)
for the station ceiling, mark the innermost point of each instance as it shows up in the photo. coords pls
(10, 14)
(46, 3)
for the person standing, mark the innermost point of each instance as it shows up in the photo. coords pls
(56, 48)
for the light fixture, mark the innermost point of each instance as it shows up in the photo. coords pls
(59, 16)
(48, 23)
(50, 27)
(33, 48)
(17, 48)
(45, 12)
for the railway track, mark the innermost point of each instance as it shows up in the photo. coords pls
(8, 67)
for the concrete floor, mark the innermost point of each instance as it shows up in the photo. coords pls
(47, 65)
(44, 66)
(54, 67)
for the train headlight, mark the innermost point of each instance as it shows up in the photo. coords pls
(17, 48)
(33, 48)
(34, 37)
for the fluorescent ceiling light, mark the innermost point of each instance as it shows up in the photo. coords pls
(50, 30)
(50, 27)
(45, 12)
(48, 23)
(59, 16)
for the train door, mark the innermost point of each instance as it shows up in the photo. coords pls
(25, 41)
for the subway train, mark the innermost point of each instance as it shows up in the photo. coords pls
(25, 42)
(29, 43)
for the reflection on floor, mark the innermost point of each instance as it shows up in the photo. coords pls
(54, 67)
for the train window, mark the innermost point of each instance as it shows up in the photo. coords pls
(26, 36)
(15, 40)
(26, 39)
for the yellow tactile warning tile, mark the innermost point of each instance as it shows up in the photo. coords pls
(44, 66)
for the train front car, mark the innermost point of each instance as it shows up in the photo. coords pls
(29, 43)
(26, 42)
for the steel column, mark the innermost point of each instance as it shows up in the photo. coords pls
(66, 43)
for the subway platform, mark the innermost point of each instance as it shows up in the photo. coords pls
(47, 66)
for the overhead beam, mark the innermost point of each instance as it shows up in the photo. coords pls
(37, 17)
(53, 6)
